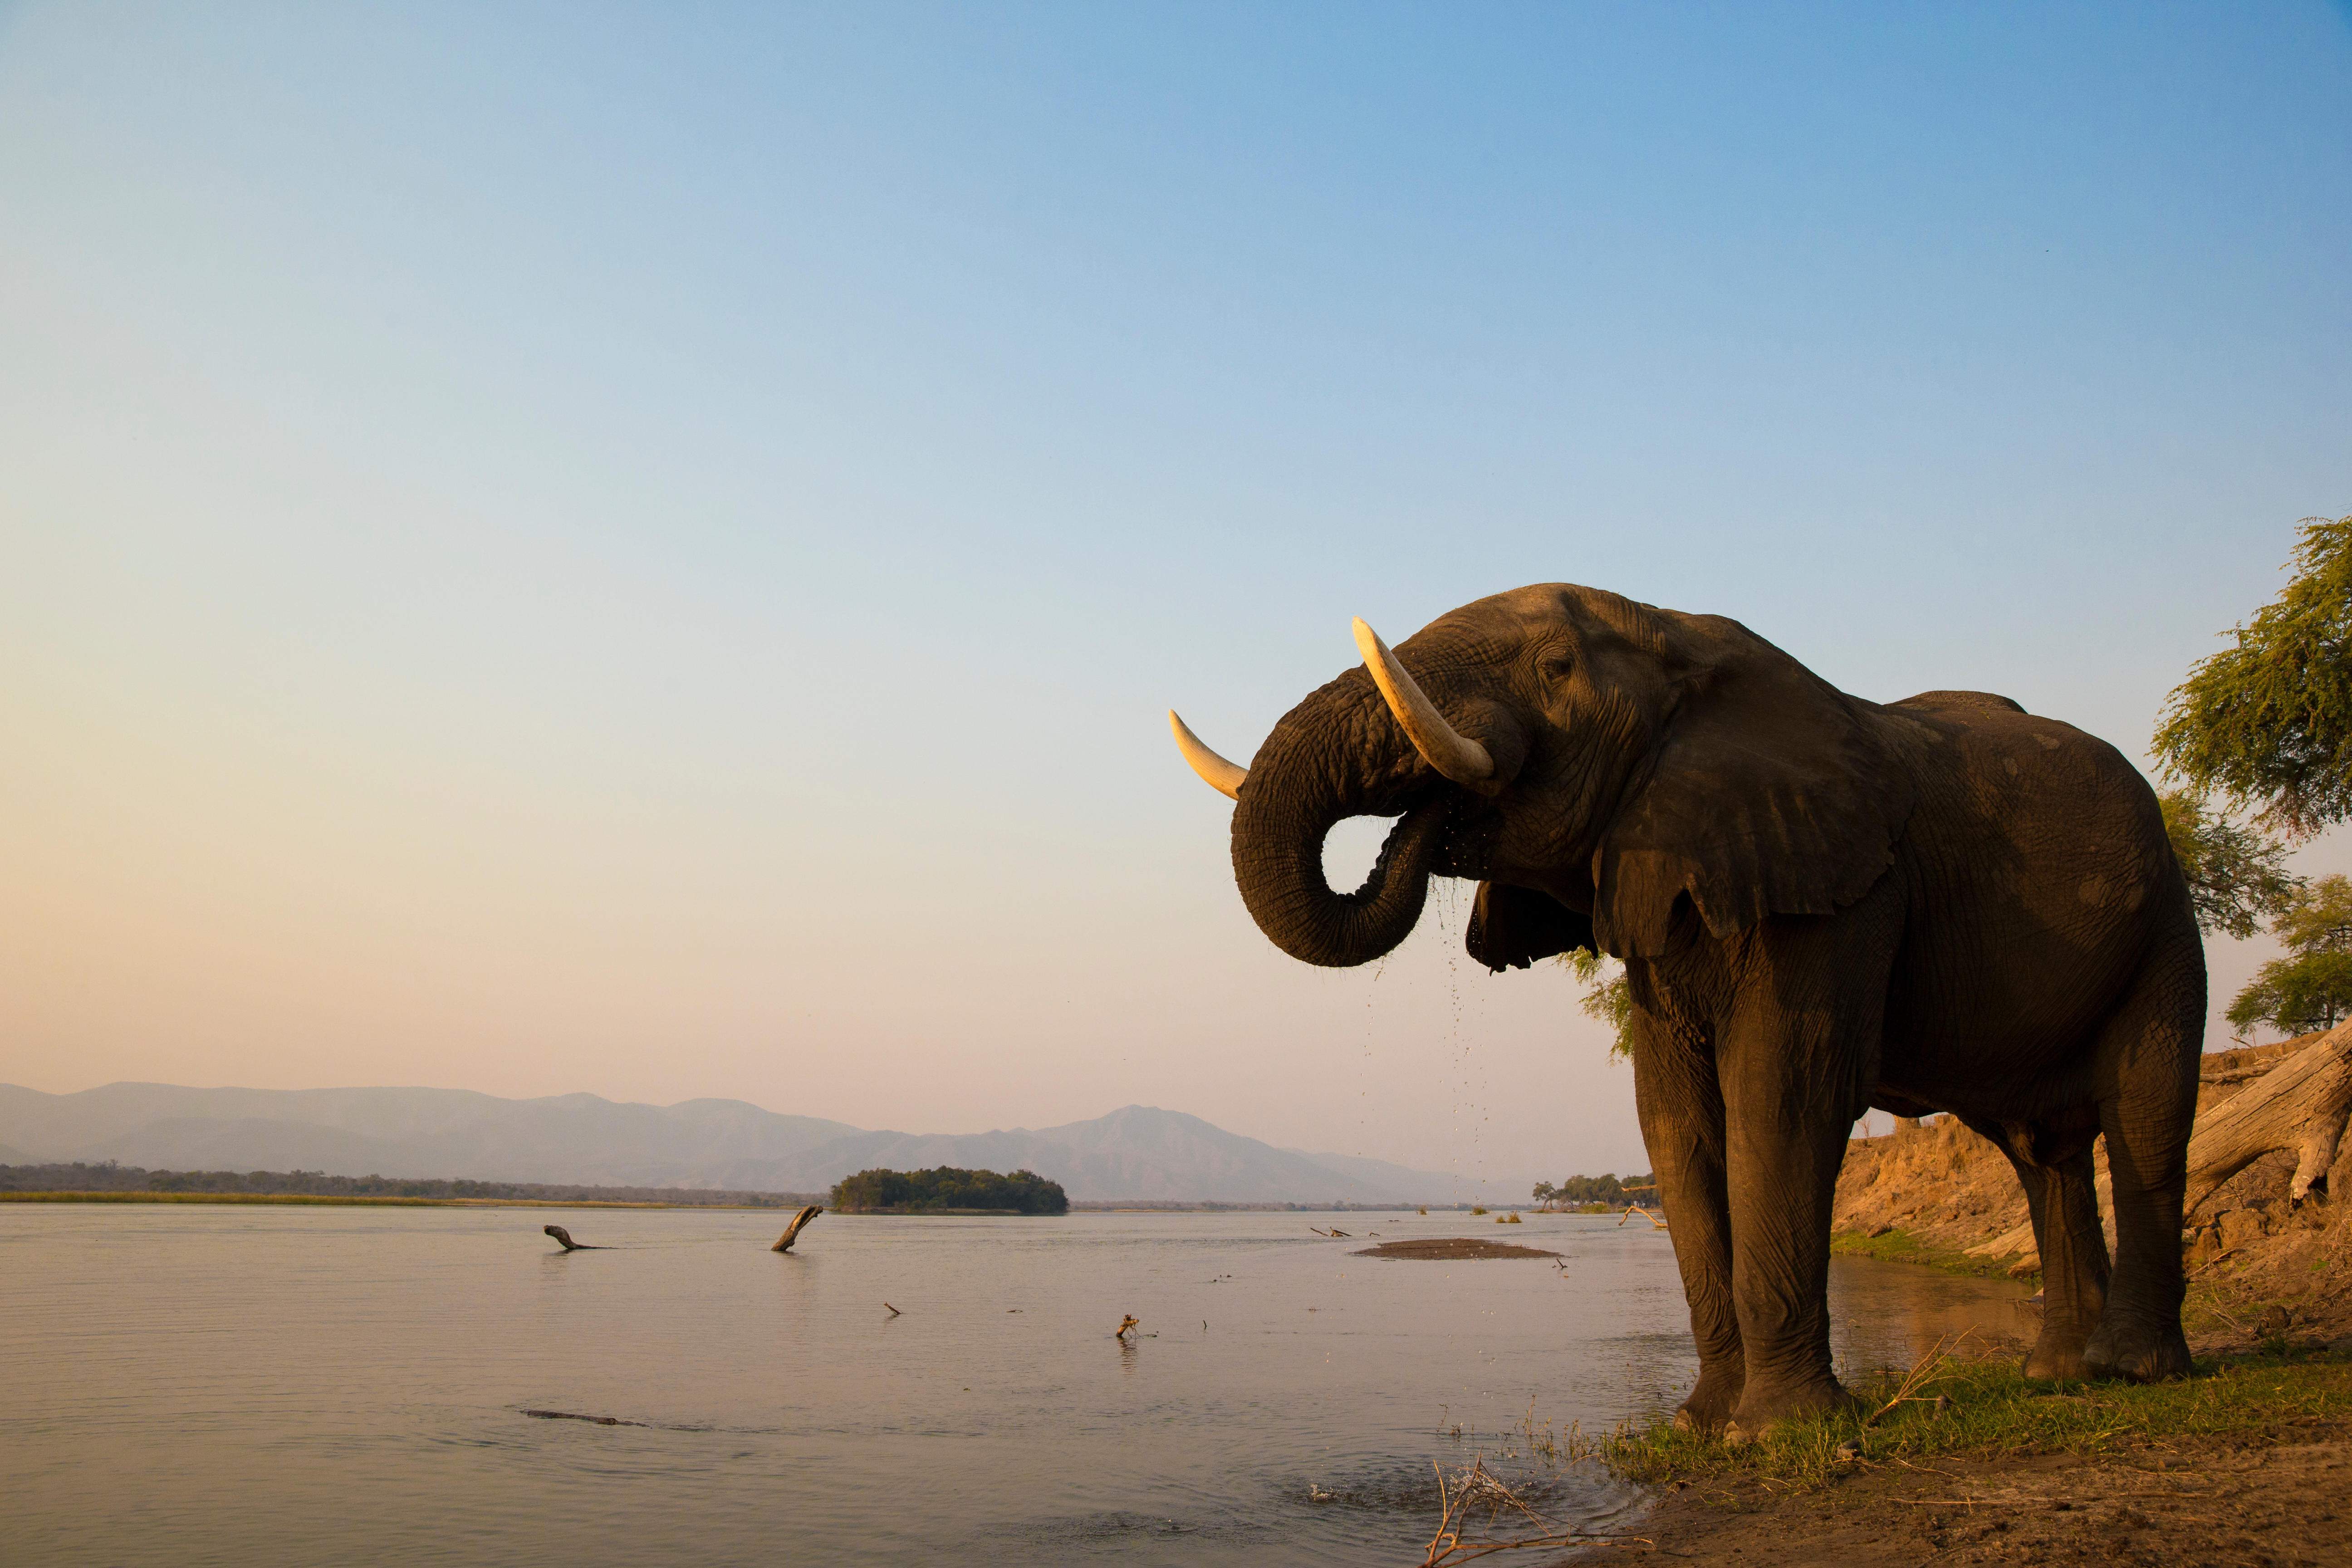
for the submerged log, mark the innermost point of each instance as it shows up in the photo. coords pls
(2300, 1105)
(784, 1242)
(564, 1237)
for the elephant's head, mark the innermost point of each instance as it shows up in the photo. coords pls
(1616, 774)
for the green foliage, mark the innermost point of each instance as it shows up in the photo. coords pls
(2311, 987)
(946, 1187)
(1607, 996)
(1602, 1189)
(2237, 876)
(1995, 1410)
(2269, 718)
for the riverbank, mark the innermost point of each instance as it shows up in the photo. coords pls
(1976, 1465)
(2200, 1503)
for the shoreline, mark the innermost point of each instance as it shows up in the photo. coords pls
(1899, 1245)
(337, 1200)
(361, 1199)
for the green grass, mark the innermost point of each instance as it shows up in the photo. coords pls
(1902, 1246)
(1994, 1410)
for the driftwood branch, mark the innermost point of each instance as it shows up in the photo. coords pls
(564, 1237)
(792, 1231)
(2300, 1105)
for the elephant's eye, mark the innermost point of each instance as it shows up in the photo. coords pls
(1557, 666)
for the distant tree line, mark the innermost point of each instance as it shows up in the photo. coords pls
(1606, 1188)
(946, 1187)
(110, 1177)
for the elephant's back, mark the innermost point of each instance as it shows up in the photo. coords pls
(2039, 877)
(1940, 701)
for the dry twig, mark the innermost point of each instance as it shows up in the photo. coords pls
(1921, 1371)
(1448, 1547)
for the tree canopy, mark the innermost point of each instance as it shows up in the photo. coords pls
(2311, 987)
(1607, 996)
(1606, 1188)
(2267, 722)
(2237, 877)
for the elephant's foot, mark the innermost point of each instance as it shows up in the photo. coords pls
(2142, 1352)
(2057, 1354)
(1710, 1402)
(1760, 1411)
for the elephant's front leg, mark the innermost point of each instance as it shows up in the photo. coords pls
(1681, 1109)
(1794, 1057)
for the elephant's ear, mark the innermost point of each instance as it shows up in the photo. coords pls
(1510, 928)
(1771, 794)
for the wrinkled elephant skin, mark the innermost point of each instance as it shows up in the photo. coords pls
(1822, 904)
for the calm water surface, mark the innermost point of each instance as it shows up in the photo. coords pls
(265, 1385)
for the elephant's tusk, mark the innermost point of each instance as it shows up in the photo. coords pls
(1218, 773)
(1452, 753)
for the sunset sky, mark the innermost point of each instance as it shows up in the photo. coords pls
(644, 548)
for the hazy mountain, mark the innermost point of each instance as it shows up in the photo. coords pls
(1136, 1153)
(1403, 1179)
(403, 1132)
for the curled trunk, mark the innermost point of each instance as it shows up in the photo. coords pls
(1336, 756)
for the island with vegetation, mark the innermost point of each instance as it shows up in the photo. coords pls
(1598, 1194)
(944, 1189)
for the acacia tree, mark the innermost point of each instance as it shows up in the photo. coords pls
(2267, 722)
(1607, 997)
(2237, 876)
(2311, 987)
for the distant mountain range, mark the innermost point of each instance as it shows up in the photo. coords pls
(1137, 1153)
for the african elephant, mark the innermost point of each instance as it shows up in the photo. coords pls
(1822, 904)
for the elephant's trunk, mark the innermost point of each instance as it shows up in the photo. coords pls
(1336, 756)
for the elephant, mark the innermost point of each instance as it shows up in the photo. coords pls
(1822, 904)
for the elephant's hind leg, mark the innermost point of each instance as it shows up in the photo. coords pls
(2148, 1059)
(2055, 1170)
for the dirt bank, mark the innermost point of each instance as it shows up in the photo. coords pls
(2266, 1499)
(1939, 1194)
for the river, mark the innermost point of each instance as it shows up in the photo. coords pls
(263, 1386)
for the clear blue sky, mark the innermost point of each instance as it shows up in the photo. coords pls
(643, 549)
